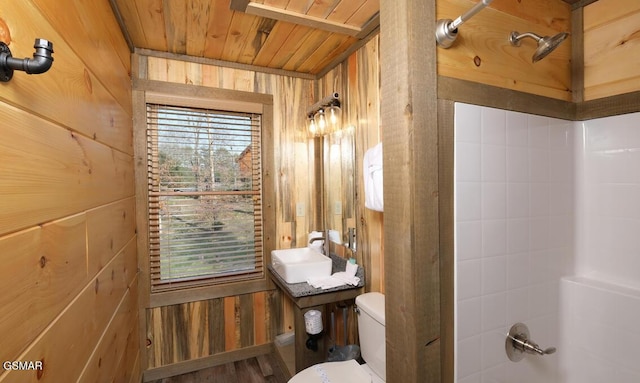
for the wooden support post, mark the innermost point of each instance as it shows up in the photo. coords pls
(409, 115)
(446, 110)
(577, 55)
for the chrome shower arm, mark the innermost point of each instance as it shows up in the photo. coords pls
(515, 37)
(469, 14)
(447, 29)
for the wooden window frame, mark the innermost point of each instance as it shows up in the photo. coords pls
(157, 92)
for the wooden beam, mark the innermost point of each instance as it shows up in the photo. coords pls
(502, 98)
(446, 118)
(409, 119)
(199, 94)
(486, 95)
(121, 24)
(575, 4)
(139, 71)
(608, 106)
(577, 55)
(223, 63)
(372, 25)
(345, 55)
(239, 5)
(301, 19)
(187, 366)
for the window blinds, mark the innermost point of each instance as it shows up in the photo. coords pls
(205, 197)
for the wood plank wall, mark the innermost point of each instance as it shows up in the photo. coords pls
(482, 52)
(67, 219)
(220, 326)
(358, 81)
(223, 326)
(611, 48)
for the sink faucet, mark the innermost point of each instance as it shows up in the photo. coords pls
(352, 240)
(325, 238)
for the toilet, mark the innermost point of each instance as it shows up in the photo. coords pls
(372, 347)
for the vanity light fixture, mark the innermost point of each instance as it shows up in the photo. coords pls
(324, 116)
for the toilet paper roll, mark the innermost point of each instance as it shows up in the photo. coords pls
(313, 322)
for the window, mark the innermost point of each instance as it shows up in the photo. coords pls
(205, 196)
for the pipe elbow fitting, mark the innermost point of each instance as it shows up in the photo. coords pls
(42, 58)
(37, 65)
(40, 63)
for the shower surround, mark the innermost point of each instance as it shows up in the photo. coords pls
(541, 206)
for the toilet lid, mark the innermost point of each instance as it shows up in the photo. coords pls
(348, 371)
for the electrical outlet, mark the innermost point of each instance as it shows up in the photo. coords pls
(337, 208)
(300, 209)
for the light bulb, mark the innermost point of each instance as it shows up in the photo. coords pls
(334, 114)
(313, 130)
(322, 121)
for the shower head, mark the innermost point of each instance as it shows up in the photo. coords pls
(546, 44)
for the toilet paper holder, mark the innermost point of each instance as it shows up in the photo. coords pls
(518, 343)
(314, 328)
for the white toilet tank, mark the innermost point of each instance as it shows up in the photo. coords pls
(371, 330)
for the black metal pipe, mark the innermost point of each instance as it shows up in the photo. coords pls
(40, 63)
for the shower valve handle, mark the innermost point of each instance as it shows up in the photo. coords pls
(518, 343)
(530, 347)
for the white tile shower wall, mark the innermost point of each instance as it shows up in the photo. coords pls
(608, 217)
(600, 333)
(601, 307)
(514, 237)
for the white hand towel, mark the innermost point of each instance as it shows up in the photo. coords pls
(325, 282)
(345, 278)
(372, 171)
(341, 278)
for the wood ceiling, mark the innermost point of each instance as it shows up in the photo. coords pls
(303, 36)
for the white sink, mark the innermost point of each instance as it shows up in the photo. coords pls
(298, 265)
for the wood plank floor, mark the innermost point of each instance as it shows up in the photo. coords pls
(261, 369)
